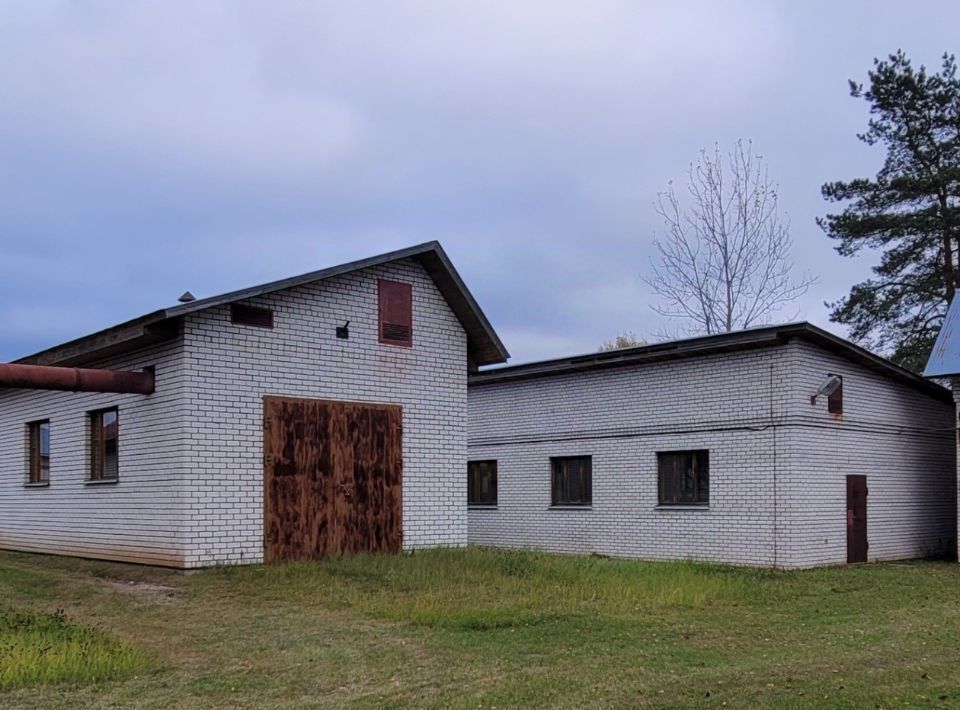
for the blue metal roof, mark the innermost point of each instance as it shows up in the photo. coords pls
(945, 356)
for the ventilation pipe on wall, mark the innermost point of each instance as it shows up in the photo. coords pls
(75, 379)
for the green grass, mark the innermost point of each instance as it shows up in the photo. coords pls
(46, 648)
(480, 628)
(455, 589)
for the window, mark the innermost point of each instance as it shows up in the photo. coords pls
(396, 313)
(251, 315)
(572, 480)
(104, 445)
(835, 399)
(39, 433)
(684, 477)
(482, 483)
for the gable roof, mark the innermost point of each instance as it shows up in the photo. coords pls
(752, 338)
(483, 345)
(944, 359)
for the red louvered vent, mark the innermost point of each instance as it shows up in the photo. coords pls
(251, 315)
(396, 313)
(400, 333)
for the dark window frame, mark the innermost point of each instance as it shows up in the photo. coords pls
(251, 316)
(395, 313)
(99, 445)
(475, 471)
(699, 495)
(561, 487)
(835, 398)
(37, 473)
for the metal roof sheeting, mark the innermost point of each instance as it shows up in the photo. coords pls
(761, 337)
(945, 357)
(483, 344)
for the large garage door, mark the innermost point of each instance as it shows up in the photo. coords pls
(332, 478)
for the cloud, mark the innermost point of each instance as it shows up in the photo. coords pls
(153, 147)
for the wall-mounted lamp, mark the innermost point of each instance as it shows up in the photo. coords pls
(343, 331)
(831, 385)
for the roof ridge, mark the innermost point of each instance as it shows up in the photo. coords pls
(750, 338)
(484, 344)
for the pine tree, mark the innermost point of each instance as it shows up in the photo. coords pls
(910, 210)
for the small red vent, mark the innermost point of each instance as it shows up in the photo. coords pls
(251, 315)
(396, 313)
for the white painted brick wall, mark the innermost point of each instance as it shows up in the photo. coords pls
(233, 367)
(191, 455)
(752, 411)
(139, 518)
(896, 436)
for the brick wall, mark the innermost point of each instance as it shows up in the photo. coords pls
(140, 517)
(191, 458)
(899, 438)
(777, 465)
(623, 417)
(232, 368)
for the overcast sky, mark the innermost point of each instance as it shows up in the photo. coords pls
(149, 148)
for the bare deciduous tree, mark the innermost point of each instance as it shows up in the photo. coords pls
(724, 262)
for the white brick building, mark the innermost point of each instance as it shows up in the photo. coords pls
(190, 465)
(328, 413)
(768, 485)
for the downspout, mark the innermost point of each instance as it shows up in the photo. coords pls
(776, 495)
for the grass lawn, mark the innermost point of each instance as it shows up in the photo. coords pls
(477, 628)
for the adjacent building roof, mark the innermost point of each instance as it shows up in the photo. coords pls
(749, 339)
(945, 357)
(483, 345)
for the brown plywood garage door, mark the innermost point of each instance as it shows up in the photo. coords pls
(332, 478)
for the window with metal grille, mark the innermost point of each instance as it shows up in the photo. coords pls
(39, 462)
(684, 477)
(572, 480)
(481, 482)
(396, 312)
(105, 445)
(241, 314)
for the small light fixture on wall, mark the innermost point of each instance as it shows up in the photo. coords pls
(828, 388)
(343, 331)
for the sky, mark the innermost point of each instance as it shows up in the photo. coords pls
(151, 148)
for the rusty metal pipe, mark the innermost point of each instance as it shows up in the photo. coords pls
(75, 379)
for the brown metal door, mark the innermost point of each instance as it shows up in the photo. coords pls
(332, 478)
(857, 519)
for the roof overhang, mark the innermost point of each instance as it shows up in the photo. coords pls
(483, 345)
(743, 340)
(133, 335)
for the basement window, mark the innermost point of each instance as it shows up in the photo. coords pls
(482, 483)
(39, 459)
(572, 483)
(104, 445)
(253, 316)
(395, 305)
(684, 477)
